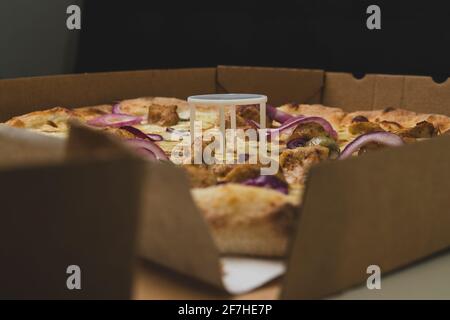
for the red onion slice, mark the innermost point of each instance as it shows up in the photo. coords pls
(116, 108)
(150, 146)
(278, 115)
(177, 132)
(139, 134)
(296, 121)
(271, 182)
(154, 136)
(114, 120)
(147, 154)
(383, 138)
(295, 143)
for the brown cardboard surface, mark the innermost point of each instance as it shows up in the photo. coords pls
(281, 85)
(22, 95)
(377, 91)
(152, 282)
(65, 212)
(388, 208)
(39, 148)
(172, 231)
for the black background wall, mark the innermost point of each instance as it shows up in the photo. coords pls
(331, 35)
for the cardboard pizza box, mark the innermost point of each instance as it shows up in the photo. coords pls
(64, 213)
(388, 208)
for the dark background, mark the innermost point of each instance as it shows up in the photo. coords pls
(330, 35)
(133, 34)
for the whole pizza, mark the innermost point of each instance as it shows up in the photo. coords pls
(248, 213)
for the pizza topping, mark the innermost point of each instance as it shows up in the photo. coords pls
(139, 134)
(200, 176)
(326, 142)
(423, 129)
(371, 146)
(272, 182)
(221, 170)
(178, 131)
(296, 142)
(242, 172)
(163, 115)
(154, 136)
(295, 122)
(360, 119)
(364, 127)
(118, 132)
(308, 131)
(116, 108)
(296, 162)
(152, 150)
(245, 114)
(301, 121)
(114, 120)
(379, 138)
(277, 115)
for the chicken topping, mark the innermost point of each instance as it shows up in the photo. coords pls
(362, 127)
(163, 115)
(200, 176)
(295, 163)
(308, 131)
(423, 129)
(245, 113)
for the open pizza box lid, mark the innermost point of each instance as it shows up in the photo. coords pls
(62, 206)
(387, 208)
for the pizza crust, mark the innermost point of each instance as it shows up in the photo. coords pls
(332, 115)
(405, 118)
(247, 220)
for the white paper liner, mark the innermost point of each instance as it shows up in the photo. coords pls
(242, 275)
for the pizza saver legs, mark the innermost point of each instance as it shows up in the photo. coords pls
(222, 102)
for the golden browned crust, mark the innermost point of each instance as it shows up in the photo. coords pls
(139, 106)
(51, 120)
(332, 115)
(392, 117)
(247, 220)
(87, 113)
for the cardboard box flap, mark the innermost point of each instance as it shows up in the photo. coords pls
(88, 143)
(23, 95)
(281, 85)
(70, 213)
(173, 233)
(377, 91)
(20, 147)
(386, 208)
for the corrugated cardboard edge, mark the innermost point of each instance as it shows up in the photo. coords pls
(379, 91)
(363, 222)
(299, 85)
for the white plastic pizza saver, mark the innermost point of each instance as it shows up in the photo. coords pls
(229, 101)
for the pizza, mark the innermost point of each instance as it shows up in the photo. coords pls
(248, 213)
